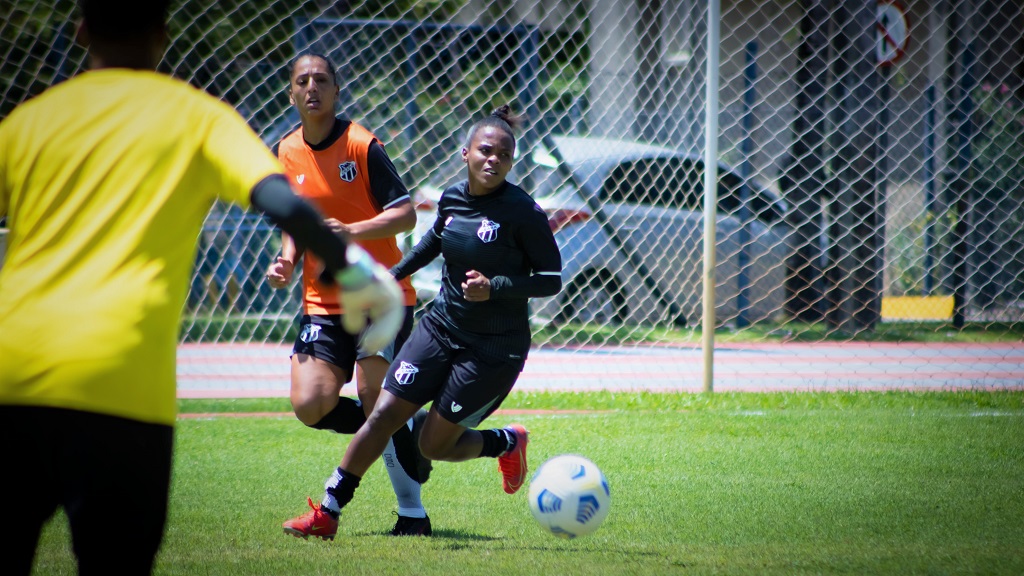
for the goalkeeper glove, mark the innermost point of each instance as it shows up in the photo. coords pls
(371, 299)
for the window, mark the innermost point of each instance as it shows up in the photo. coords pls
(661, 182)
(678, 183)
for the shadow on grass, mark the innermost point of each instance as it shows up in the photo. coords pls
(441, 534)
(615, 551)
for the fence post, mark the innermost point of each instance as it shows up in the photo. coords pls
(710, 193)
(964, 121)
(929, 189)
(802, 173)
(747, 149)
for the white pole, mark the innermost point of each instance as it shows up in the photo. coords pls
(710, 193)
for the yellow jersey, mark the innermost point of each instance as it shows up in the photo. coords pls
(105, 181)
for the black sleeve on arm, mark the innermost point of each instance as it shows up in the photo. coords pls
(386, 185)
(423, 253)
(538, 242)
(274, 197)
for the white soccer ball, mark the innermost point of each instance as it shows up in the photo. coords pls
(569, 496)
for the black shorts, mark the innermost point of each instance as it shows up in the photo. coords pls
(323, 337)
(111, 475)
(465, 386)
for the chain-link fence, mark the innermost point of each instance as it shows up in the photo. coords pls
(872, 152)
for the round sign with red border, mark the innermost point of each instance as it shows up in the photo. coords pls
(892, 32)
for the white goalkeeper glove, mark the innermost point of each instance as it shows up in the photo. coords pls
(371, 299)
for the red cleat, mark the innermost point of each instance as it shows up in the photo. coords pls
(513, 463)
(316, 523)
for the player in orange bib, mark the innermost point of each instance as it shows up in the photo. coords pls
(343, 169)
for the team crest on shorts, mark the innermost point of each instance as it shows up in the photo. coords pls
(310, 333)
(347, 171)
(405, 373)
(488, 231)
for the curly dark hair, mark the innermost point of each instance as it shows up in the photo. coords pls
(502, 119)
(123, 20)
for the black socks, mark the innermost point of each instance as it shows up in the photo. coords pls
(341, 486)
(496, 442)
(346, 418)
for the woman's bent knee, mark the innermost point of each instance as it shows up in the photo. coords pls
(311, 408)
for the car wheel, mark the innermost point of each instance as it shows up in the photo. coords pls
(594, 297)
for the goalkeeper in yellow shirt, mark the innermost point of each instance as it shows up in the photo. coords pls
(105, 181)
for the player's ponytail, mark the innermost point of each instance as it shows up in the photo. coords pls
(502, 119)
(504, 113)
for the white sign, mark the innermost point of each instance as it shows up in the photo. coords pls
(892, 32)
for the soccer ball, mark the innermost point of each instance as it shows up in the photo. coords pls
(569, 496)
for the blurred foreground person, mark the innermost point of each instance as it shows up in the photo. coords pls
(105, 181)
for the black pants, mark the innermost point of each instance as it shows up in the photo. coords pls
(111, 475)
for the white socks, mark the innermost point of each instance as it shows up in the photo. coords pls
(407, 490)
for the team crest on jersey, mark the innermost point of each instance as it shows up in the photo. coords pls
(310, 333)
(347, 171)
(488, 231)
(405, 373)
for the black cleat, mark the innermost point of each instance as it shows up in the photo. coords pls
(407, 526)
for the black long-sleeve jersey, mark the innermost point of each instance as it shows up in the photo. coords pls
(503, 235)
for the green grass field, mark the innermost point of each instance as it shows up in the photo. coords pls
(780, 483)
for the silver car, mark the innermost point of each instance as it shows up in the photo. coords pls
(628, 220)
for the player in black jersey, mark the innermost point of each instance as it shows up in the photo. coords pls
(466, 353)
